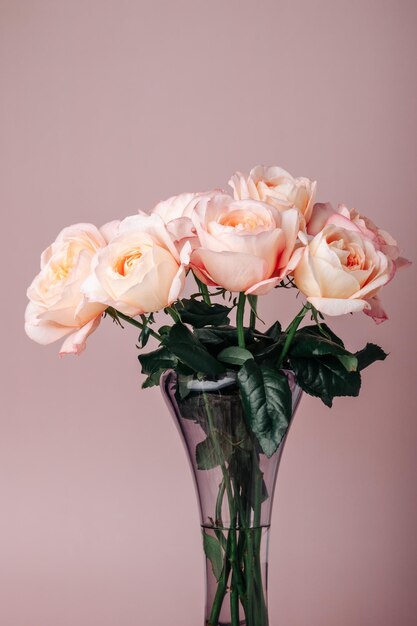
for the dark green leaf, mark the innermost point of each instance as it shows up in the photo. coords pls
(213, 551)
(274, 331)
(307, 344)
(217, 338)
(243, 467)
(213, 451)
(349, 362)
(155, 363)
(325, 377)
(190, 351)
(234, 355)
(266, 399)
(214, 337)
(369, 354)
(158, 359)
(266, 351)
(321, 330)
(198, 313)
(153, 379)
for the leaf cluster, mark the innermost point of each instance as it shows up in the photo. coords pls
(202, 343)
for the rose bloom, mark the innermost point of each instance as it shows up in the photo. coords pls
(341, 271)
(276, 186)
(324, 214)
(245, 245)
(56, 305)
(176, 214)
(140, 271)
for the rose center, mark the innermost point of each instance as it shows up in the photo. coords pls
(241, 220)
(355, 259)
(60, 271)
(125, 264)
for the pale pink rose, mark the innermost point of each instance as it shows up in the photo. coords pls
(176, 214)
(245, 245)
(140, 270)
(341, 271)
(276, 186)
(56, 305)
(109, 230)
(351, 219)
(322, 211)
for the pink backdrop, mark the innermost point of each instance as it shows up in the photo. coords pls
(107, 107)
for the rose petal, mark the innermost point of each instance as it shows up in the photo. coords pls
(76, 342)
(263, 287)
(42, 331)
(376, 310)
(337, 306)
(231, 270)
(110, 230)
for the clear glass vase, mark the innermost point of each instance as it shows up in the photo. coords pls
(235, 485)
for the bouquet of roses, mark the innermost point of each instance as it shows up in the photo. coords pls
(270, 234)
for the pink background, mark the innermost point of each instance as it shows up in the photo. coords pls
(107, 107)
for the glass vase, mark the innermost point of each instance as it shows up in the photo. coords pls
(235, 484)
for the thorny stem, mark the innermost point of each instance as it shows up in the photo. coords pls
(115, 313)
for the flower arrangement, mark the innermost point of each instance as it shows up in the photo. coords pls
(270, 234)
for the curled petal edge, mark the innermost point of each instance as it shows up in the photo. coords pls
(75, 343)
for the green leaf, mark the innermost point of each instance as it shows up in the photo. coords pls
(307, 344)
(213, 551)
(156, 360)
(220, 336)
(267, 351)
(184, 345)
(242, 467)
(349, 362)
(320, 330)
(234, 355)
(266, 399)
(213, 451)
(369, 354)
(153, 379)
(198, 313)
(325, 377)
(274, 331)
(155, 363)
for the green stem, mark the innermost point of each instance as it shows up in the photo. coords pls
(219, 502)
(231, 546)
(220, 591)
(290, 332)
(253, 312)
(203, 290)
(234, 600)
(249, 577)
(218, 514)
(173, 313)
(239, 320)
(134, 322)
